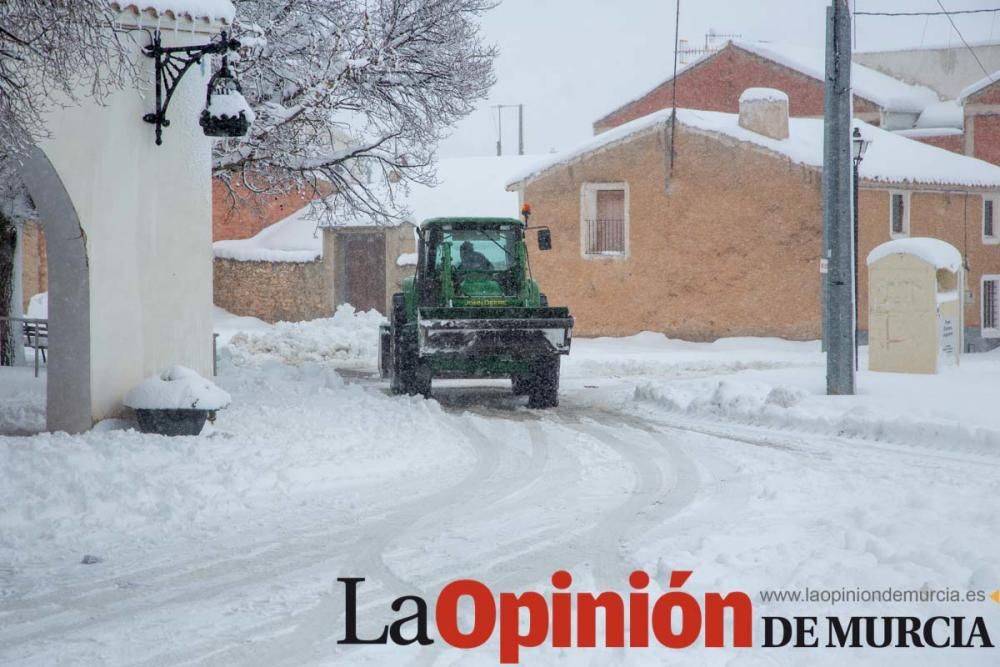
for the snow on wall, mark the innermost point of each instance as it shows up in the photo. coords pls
(891, 159)
(937, 253)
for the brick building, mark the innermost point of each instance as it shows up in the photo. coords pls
(715, 82)
(930, 95)
(725, 241)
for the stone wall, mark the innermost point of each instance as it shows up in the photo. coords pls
(275, 291)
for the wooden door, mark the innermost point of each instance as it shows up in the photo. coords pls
(364, 271)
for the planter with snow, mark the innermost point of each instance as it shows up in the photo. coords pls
(177, 401)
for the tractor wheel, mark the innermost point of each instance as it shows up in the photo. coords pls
(544, 386)
(400, 376)
(421, 378)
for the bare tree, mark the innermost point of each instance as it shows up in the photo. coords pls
(352, 96)
(52, 52)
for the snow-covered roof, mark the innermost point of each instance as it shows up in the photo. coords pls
(889, 93)
(942, 114)
(205, 11)
(937, 253)
(766, 94)
(969, 91)
(472, 186)
(891, 159)
(882, 89)
(294, 239)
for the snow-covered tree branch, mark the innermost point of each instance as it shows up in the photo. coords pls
(54, 51)
(352, 96)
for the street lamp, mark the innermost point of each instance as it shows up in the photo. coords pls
(226, 117)
(859, 146)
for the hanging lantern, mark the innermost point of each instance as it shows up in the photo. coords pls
(227, 113)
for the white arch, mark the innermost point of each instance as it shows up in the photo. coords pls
(68, 386)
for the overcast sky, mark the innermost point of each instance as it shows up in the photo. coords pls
(571, 61)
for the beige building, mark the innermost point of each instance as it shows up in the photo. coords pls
(723, 238)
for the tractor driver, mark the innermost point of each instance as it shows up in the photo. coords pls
(473, 260)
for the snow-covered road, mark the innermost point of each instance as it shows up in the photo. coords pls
(226, 549)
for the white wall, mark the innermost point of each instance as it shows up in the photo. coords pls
(946, 71)
(146, 211)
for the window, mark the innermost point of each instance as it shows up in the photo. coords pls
(990, 220)
(604, 220)
(899, 214)
(478, 249)
(991, 307)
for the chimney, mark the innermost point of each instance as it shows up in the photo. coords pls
(765, 111)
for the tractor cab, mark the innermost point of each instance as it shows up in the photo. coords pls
(475, 262)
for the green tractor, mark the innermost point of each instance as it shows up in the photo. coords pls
(473, 311)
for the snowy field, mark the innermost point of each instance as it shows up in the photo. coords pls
(722, 458)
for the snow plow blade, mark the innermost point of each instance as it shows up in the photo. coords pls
(512, 332)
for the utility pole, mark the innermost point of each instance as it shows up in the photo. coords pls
(520, 127)
(499, 130)
(838, 227)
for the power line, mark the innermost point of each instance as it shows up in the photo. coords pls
(945, 12)
(989, 75)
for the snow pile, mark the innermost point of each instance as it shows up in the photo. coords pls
(407, 259)
(349, 339)
(763, 94)
(294, 239)
(891, 158)
(294, 439)
(230, 105)
(226, 325)
(22, 400)
(177, 388)
(937, 253)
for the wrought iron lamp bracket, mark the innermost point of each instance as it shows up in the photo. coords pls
(172, 63)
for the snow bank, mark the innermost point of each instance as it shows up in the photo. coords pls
(294, 439)
(937, 253)
(22, 400)
(177, 388)
(349, 339)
